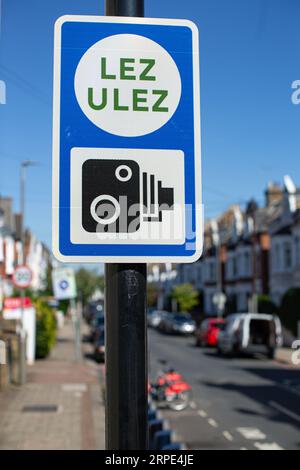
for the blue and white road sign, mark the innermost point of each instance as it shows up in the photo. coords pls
(126, 140)
(64, 283)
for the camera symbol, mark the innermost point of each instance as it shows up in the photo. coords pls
(117, 196)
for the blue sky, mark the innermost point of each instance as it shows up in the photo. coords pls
(249, 56)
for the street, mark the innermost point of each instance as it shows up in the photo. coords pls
(243, 403)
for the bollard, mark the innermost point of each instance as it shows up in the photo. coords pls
(4, 377)
(173, 446)
(151, 415)
(162, 439)
(22, 357)
(154, 426)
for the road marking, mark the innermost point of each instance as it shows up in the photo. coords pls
(251, 433)
(227, 435)
(75, 387)
(193, 405)
(202, 413)
(243, 448)
(212, 422)
(267, 446)
(289, 388)
(284, 410)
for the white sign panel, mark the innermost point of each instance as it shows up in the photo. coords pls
(63, 283)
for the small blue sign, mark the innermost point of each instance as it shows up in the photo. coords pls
(126, 140)
(64, 284)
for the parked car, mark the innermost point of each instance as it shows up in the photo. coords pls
(164, 324)
(92, 310)
(208, 331)
(99, 346)
(250, 333)
(177, 323)
(155, 317)
(97, 324)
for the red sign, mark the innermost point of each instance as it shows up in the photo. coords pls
(16, 302)
(22, 277)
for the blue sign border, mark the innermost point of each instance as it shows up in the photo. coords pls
(74, 36)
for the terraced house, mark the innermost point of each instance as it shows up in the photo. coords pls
(250, 252)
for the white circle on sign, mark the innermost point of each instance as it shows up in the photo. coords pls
(123, 106)
(127, 170)
(109, 220)
(22, 277)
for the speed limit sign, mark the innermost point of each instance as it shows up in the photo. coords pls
(22, 277)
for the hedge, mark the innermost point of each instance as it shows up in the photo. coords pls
(290, 309)
(45, 329)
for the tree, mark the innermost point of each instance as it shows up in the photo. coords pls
(152, 294)
(265, 304)
(186, 297)
(290, 309)
(87, 282)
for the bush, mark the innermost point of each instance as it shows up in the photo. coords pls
(290, 309)
(265, 305)
(45, 329)
(186, 297)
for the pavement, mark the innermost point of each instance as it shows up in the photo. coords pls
(246, 403)
(284, 355)
(61, 405)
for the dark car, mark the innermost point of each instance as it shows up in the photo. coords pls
(164, 323)
(92, 310)
(183, 324)
(97, 324)
(177, 323)
(99, 346)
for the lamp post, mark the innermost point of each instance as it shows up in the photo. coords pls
(22, 337)
(24, 165)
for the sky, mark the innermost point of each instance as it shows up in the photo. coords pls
(249, 57)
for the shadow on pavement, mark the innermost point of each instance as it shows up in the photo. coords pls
(281, 404)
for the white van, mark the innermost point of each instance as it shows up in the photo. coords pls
(250, 333)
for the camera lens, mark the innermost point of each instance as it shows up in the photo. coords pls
(105, 209)
(123, 173)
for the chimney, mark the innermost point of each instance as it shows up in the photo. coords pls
(273, 194)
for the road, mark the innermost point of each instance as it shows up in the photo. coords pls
(243, 403)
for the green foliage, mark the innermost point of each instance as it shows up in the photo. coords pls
(265, 304)
(45, 329)
(186, 296)
(290, 309)
(152, 294)
(87, 282)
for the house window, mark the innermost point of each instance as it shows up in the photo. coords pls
(234, 268)
(212, 271)
(297, 250)
(287, 255)
(258, 264)
(199, 275)
(276, 258)
(246, 264)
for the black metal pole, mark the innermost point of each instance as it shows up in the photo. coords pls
(126, 335)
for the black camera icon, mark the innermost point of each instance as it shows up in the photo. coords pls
(117, 196)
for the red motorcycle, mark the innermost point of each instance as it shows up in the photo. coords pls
(171, 390)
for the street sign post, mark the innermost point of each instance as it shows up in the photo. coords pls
(22, 277)
(64, 288)
(126, 176)
(126, 142)
(219, 300)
